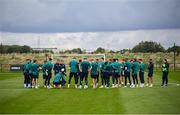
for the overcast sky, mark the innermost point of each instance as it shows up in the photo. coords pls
(92, 40)
(89, 23)
(87, 15)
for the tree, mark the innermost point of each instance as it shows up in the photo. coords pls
(25, 49)
(148, 46)
(77, 50)
(15, 49)
(100, 50)
(174, 48)
(111, 51)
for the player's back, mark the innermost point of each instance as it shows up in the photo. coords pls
(85, 66)
(127, 66)
(94, 68)
(73, 66)
(135, 67)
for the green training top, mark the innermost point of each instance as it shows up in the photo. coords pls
(30, 68)
(73, 66)
(165, 67)
(49, 66)
(122, 66)
(35, 68)
(25, 67)
(94, 68)
(85, 65)
(116, 67)
(100, 65)
(58, 77)
(135, 67)
(141, 67)
(44, 68)
(127, 66)
(108, 67)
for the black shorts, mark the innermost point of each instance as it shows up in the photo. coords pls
(122, 73)
(150, 74)
(30, 75)
(56, 83)
(94, 76)
(26, 74)
(107, 74)
(84, 74)
(35, 76)
(116, 75)
(44, 76)
(79, 74)
(127, 74)
(119, 75)
(49, 75)
(75, 74)
(98, 74)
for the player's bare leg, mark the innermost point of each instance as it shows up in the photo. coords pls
(151, 79)
(122, 80)
(147, 81)
(94, 82)
(33, 83)
(119, 81)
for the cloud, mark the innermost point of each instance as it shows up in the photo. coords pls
(52, 16)
(92, 40)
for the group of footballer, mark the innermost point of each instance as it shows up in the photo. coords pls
(123, 73)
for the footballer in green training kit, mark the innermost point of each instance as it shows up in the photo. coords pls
(73, 72)
(35, 74)
(84, 68)
(94, 72)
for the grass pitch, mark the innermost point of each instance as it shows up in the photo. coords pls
(15, 99)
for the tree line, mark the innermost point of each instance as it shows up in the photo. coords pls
(144, 47)
(15, 49)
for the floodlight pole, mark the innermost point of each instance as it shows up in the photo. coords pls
(1, 48)
(1, 54)
(39, 44)
(104, 57)
(174, 58)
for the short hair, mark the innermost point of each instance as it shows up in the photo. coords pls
(34, 60)
(126, 59)
(114, 59)
(50, 59)
(80, 60)
(150, 60)
(140, 59)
